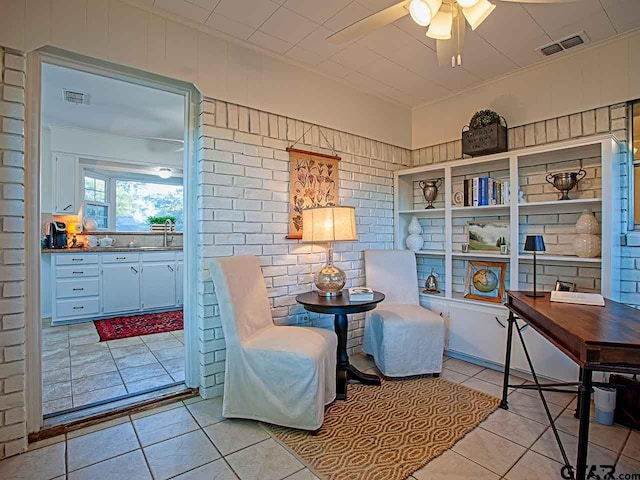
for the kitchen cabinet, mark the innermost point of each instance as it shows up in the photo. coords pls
(120, 287)
(66, 184)
(158, 284)
(90, 286)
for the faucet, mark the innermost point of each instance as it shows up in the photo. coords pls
(167, 227)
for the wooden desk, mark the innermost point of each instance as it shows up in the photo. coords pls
(596, 338)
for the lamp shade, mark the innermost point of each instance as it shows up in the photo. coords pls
(534, 243)
(477, 13)
(441, 24)
(329, 224)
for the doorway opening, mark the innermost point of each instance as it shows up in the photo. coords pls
(113, 216)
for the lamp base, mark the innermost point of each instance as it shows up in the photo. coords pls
(329, 294)
(330, 281)
(534, 294)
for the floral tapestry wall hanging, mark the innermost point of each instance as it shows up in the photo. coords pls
(313, 183)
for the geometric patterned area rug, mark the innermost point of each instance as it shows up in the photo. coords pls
(389, 432)
(136, 325)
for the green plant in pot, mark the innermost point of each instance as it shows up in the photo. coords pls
(157, 222)
(483, 118)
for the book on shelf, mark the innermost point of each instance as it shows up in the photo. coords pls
(484, 191)
(578, 298)
(360, 294)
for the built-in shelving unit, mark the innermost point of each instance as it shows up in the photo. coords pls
(475, 329)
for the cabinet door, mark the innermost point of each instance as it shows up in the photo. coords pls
(478, 331)
(158, 285)
(66, 184)
(120, 288)
(548, 360)
(179, 282)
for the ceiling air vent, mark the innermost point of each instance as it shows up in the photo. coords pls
(77, 98)
(566, 43)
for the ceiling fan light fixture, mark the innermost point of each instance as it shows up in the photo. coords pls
(478, 13)
(420, 12)
(467, 3)
(441, 25)
(165, 172)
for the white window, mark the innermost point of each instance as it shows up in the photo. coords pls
(138, 201)
(96, 200)
(635, 157)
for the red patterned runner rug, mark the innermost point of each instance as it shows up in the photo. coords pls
(136, 325)
(389, 432)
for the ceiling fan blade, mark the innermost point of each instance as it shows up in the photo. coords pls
(370, 23)
(542, 1)
(448, 50)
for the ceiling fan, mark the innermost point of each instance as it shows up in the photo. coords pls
(446, 19)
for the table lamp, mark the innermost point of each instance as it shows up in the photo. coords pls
(328, 225)
(534, 243)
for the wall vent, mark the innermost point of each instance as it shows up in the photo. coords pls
(77, 98)
(566, 43)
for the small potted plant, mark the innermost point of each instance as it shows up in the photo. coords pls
(485, 134)
(157, 223)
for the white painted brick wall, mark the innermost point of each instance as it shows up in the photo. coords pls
(243, 194)
(12, 333)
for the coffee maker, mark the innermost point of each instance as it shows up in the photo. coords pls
(57, 235)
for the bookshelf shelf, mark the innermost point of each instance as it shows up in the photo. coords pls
(544, 258)
(480, 255)
(435, 253)
(483, 210)
(423, 212)
(558, 206)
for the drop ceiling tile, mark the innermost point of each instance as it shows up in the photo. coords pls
(355, 56)
(304, 56)
(386, 41)
(482, 60)
(228, 26)
(185, 9)
(289, 26)
(377, 5)
(625, 14)
(368, 83)
(407, 25)
(317, 43)
(512, 31)
(208, 4)
(270, 42)
(248, 12)
(423, 61)
(553, 16)
(347, 16)
(318, 11)
(597, 27)
(332, 68)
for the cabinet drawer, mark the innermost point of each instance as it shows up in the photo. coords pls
(73, 288)
(79, 259)
(78, 271)
(77, 308)
(158, 257)
(123, 257)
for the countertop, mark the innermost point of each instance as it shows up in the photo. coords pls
(109, 249)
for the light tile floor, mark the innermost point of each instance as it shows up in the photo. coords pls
(78, 369)
(191, 440)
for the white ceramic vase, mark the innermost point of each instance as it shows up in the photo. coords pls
(587, 223)
(586, 245)
(414, 240)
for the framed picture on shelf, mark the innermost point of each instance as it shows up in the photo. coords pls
(485, 281)
(565, 286)
(487, 236)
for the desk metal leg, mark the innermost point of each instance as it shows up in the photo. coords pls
(507, 363)
(577, 412)
(584, 402)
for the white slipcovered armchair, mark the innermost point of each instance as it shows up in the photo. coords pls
(404, 338)
(277, 374)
